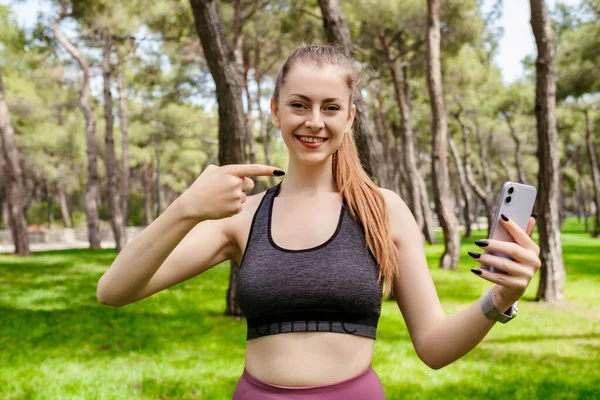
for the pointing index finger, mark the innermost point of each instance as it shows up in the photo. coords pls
(246, 170)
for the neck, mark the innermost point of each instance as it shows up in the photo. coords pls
(303, 179)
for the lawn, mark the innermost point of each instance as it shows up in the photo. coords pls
(57, 342)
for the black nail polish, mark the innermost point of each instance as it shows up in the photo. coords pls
(474, 255)
(278, 172)
(504, 217)
(476, 271)
(481, 243)
(534, 215)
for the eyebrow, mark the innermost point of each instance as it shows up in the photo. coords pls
(327, 100)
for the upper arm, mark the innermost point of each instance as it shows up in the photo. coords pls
(414, 289)
(205, 246)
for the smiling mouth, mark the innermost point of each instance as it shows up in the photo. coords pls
(310, 139)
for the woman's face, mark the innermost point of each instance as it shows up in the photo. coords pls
(313, 105)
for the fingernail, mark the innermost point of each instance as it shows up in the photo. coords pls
(481, 243)
(534, 215)
(474, 255)
(278, 172)
(476, 271)
(504, 217)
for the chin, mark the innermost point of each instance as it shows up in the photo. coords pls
(312, 159)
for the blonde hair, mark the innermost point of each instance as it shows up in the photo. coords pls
(362, 196)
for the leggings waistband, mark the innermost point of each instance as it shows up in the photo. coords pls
(265, 385)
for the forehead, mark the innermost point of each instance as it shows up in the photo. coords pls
(316, 81)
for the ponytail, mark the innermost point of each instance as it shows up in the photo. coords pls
(365, 201)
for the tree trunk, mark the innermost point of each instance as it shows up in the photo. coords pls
(3, 194)
(49, 203)
(552, 279)
(147, 172)
(264, 124)
(64, 206)
(464, 187)
(595, 171)
(439, 173)
(581, 190)
(402, 94)
(114, 200)
(92, 186)
(13, 180)
(124, 122)
(369, 146)
(428, 228)
(485, 194)
(518, 149)
(232, 122)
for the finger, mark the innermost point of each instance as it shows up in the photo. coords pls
(247, 185)
(530, 226)
(504, 264)
(512, 282)
(510, 249)
(245, 170)
(518, 234)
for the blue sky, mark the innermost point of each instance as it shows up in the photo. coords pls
(516, 43)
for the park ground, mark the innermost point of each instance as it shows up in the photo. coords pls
(58, 342)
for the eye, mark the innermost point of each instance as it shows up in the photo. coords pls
(332, 108)
(297, 105)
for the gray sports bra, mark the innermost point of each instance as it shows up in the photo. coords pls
(332, 287)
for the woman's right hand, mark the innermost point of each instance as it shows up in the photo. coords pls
(219, 191)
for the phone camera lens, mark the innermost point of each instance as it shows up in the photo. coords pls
(508, 199)
(511, 190)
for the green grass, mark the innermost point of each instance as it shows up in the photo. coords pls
(57, 342)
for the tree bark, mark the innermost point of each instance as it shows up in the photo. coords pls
(13, 180)
(485, 193)
(369, 146)
(552, 279)
(124, 122)
(64, 206)
(439, 173)
(402, 95)
(595, 171)
(114, 200)
(518, 149)
(232, 121)
(3, 194)
(92, 186)
(147, 172)
(264, 122)
(464, 187)
(428, 228)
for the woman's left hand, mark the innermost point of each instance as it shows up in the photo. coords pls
(519, 271)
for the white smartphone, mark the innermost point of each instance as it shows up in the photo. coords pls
(516, 202)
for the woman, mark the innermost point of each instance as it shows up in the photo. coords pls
(316, 252)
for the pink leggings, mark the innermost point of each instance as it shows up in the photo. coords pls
(364, 386)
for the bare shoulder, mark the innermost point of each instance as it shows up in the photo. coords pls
(402, 222)
(396, 207)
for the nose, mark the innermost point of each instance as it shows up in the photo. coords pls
(315, 122)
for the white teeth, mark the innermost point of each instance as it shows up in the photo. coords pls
(310, 139)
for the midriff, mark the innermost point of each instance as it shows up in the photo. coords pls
(308, 358)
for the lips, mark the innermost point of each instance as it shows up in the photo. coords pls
(310, 145)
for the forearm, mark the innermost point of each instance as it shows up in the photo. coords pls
(455, 335)
(139, 260)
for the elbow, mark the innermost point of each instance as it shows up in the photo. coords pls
(104, 296)
(435, 365)
(431, 360)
